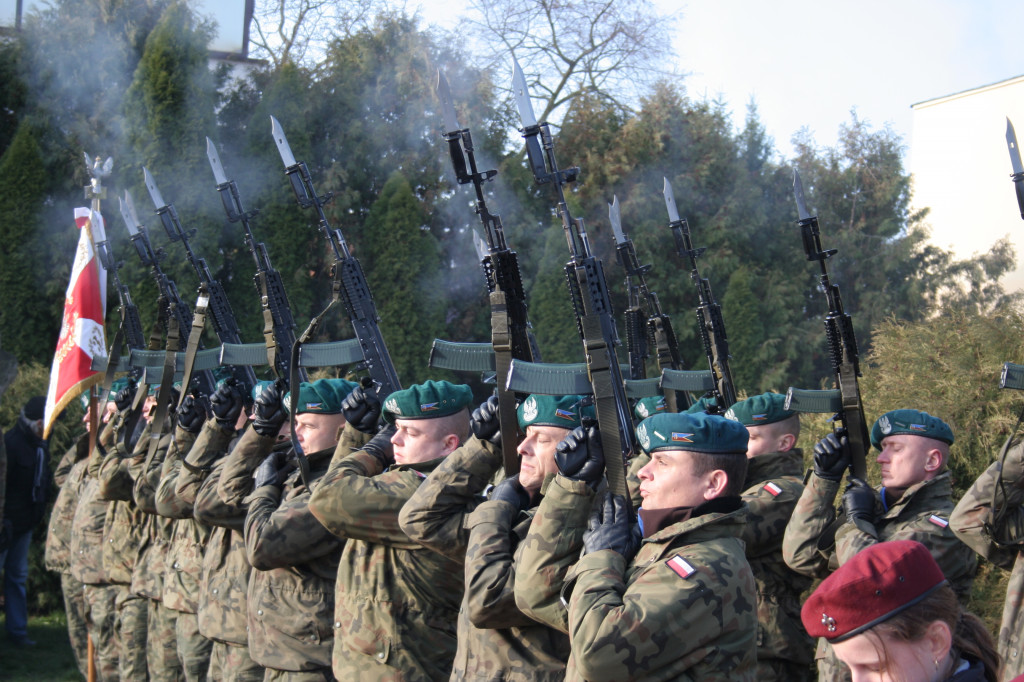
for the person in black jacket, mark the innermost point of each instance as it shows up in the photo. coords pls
(28, 486)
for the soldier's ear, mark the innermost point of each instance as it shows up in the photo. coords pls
(786, 442)
(934, 461)
(715, 483)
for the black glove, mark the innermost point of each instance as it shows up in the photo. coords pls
(610, 528)
(485, 422)
(361, 408)
(269, 408)
(512, 492)
(123, 399)
(227, 403)
(580, 456)
(859, 501)
(830, 456)
(274, 469)
(380, 446)
(191, 414)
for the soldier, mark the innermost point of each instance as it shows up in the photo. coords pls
(396, 601)
(990, 519)
(772, 488)
(295, 559)
(913, 503)
(680, 604)
(450, 515)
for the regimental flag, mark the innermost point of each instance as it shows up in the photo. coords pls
(81, 330)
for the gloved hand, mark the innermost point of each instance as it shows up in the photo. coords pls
(859, 501)
(123, 399)
(512, 492)
(485, 423)
(270, 412)
(580, 456)
(273, 470)
(610, 528)
(361, 408)
(227, 403)
(191, 414)
(831, 458)
(380, 446)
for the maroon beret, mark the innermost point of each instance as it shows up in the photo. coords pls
(873, 586)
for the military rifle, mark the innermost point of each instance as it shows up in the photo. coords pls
(842, 344)
(644, 326)
(1018, 167)
(510, 324)
(589, 293)
(709, 313)
(211, 293)
(350, 285)
(279, 326)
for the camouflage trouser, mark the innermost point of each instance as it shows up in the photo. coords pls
(230, 663)
(321, 675)
(78, 631)
(101, 616)
(132, 617)
(779, 669)
(162, 645)
(193, 648)
(830, 668)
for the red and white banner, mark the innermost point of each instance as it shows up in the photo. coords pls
(81, 331)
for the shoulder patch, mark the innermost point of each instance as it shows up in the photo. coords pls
(773, 489)
(938, 521)
(682, 568)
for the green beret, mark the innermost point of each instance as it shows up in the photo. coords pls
(221, 373)
(258, 387)
(702, 405)
(697, 432)
(116, 386)
(646, 407)
(83, 398)
(759, 410)
(322, 396)
(426, 401)
(563, 411)
(912, 422)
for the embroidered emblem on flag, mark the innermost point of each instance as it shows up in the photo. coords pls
(427, 407)
(938, 521)
(564, 414)
(681, 567)
(773, 489)
(678, 437)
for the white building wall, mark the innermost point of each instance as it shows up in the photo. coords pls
(961, 169)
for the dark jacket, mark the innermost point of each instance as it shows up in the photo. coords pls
(28, 477)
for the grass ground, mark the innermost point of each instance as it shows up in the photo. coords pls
(50, 660)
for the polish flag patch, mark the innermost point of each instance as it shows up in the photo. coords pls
(938, 521)
(681, 567)
(773, 489)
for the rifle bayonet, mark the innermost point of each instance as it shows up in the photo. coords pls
(1018, 167)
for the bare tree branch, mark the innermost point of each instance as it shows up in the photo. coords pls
(299, 31)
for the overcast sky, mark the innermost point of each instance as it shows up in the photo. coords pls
(807, 63)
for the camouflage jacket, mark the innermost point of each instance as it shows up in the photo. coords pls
(123, 528)
(1001, 541)
(87, 528)
(772, 489)
(683, 609)
(496, 641)
(69, 476)
(212, 444)
(921, 514)
(396, 602)
(291, 590)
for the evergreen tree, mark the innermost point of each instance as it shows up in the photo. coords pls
(741, 309)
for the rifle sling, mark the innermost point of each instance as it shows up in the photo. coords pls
(163, 394)
(501, 341)
(194, 336)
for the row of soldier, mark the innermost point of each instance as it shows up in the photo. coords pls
(396, 549)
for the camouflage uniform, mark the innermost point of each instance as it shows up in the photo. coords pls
(921, 514)
(1001, 543)
(396, 601)
(291, 589)
(225, 570)
(448, 514)
(69, 476)
(683, 608)
(773, 486)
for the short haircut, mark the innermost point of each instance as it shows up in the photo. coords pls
(734, 465)
(457, 423)
(790, 424)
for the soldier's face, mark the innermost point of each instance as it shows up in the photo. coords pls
(316, 432)
(421, 440)
(879, 658)
(147, 407)
(538, 455)
(762, 440)
(906, 460)
(669, 481)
